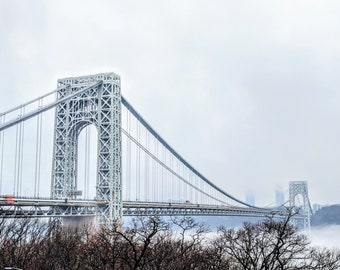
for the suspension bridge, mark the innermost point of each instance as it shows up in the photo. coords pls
(135, 171)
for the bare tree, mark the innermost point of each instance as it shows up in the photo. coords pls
(102, 250)
(150, 243)
(62, 249)
(189, 242)
(20, 241)
(138, 240)
(323, 258)
(272, 244)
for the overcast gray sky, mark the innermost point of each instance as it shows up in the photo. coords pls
(247, 91)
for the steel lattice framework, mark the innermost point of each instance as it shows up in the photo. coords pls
(99, 104)
(301, 188)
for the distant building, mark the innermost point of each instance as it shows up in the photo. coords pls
(279, 197)
(317, 207)
(250, 198)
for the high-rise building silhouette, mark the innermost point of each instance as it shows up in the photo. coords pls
(279, 197)
(250, 198)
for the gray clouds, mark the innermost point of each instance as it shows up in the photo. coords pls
(246, 91)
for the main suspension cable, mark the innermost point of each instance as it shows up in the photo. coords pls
(173, 152)
(169, 169)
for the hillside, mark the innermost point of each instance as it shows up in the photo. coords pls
(326, 216)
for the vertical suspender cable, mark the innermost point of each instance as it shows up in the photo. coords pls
(191, 189)
(158, 172)
(124, 158)
(163, 190)
(146, 167)
(2, 135)
(18, 144)
(15, 159)
(179, 182)
(138, 164)
(202, 188)
(165, 177)
(38, 152)
(199, 192)
(152, 176)
(85, 165)
(204, 197)
(206, 189)
(200, 197)
(182, 185)
(87, 162)
(187, 187)
(171, 178)
(21, 154)
(196, 191)
(128, 156)
(155, 172)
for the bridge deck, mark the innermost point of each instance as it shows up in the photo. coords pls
(42, 207)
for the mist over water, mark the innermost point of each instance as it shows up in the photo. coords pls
(325, 236)
(322, 236)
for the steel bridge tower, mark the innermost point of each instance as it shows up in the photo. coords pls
(300, 188)
(99, 104)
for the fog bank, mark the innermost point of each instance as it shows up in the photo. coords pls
(328, 236)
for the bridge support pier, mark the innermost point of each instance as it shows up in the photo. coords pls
(79, 222)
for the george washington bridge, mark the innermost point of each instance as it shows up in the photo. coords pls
(136, 172)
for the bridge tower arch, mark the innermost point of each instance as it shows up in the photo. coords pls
(300, 189)
(100, 105)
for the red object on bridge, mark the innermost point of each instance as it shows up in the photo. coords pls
(9, 199)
